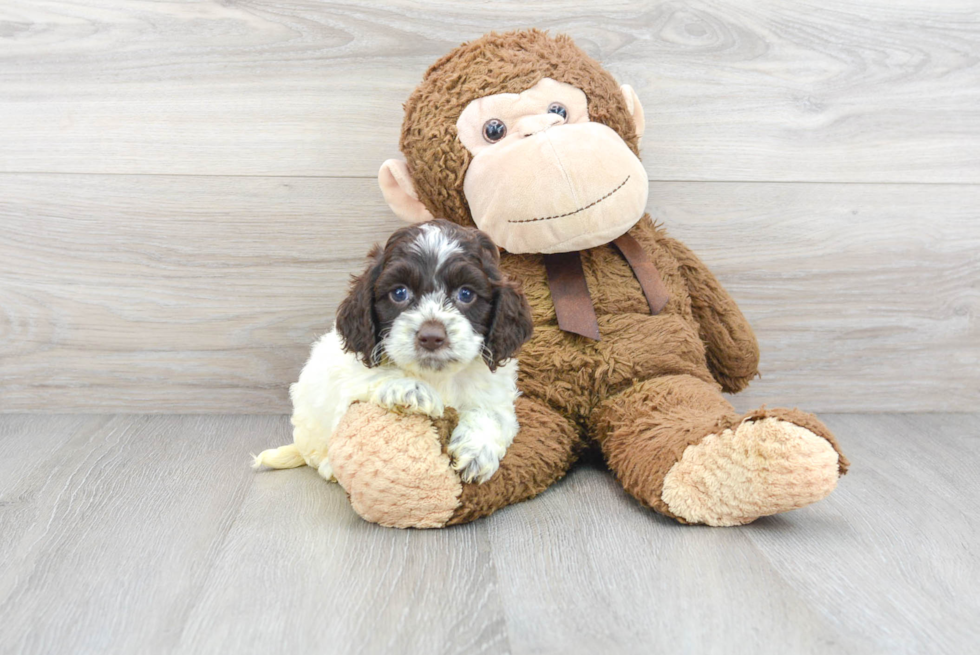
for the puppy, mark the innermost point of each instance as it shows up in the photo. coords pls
(431, 323)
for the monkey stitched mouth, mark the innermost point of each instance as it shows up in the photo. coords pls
(580, 209)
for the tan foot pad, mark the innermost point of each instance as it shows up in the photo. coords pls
(393, 468)
(764, 467)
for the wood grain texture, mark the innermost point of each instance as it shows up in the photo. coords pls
(585, 569)
(864, 297)
(110, 526)
(201, 294)
(884, 565)
(126, 534)
(310, 576)
(879, 91)
(897, 546)
(172, 293)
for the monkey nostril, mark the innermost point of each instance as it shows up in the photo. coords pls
(431, 336)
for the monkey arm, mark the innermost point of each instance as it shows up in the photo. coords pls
(396, 471)
(732, 350)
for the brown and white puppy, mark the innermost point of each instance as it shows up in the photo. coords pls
(431, 323)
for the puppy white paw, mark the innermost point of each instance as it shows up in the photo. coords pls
(406, 394)
(474, 456)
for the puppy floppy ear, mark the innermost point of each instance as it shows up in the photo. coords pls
(510, 326)
(489, 254)
(356, 320)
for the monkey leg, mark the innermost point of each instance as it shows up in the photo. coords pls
(679, 447)
(396, 472)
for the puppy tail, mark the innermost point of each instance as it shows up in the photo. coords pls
(284, 457)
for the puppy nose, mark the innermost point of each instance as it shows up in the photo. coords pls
(432, 335)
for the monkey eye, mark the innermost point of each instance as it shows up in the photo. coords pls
(558, 108)
(465, 295)
(399, 295)
(494, 130)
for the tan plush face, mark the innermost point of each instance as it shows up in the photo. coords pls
(526, 136)
(543, 178)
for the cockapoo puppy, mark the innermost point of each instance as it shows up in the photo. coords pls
(431, 323)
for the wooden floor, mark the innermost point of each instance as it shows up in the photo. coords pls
(139, 534)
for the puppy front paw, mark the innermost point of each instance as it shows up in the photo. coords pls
(474, 456)
(406, 394)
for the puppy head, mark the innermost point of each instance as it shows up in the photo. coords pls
(433, 299)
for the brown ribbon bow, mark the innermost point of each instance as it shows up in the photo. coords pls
(570, 292)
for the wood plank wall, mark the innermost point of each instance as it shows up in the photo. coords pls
(184, 187)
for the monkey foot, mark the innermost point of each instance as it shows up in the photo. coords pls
(395, 469)
(764, 466)
(393, 466)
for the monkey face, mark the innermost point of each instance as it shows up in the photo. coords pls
(543, 177)
(544, 154)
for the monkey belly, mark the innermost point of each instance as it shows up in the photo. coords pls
(573, 374)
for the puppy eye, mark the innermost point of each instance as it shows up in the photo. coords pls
(557, 108)
(465, 295)
(494, 130)
(399, 294)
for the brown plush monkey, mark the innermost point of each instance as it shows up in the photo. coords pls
(526, 137)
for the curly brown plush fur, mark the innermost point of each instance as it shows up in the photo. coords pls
(494, 63)
(650, 392)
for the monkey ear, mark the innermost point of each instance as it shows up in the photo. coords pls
(399, 192)
(635, 109)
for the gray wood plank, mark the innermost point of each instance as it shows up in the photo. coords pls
(109, 534)
(172, 293)
(885, 565)
(40, 436)
(788, 91)
(890, 556)
(149, 534)
(202, 294)
(864, 297)
(585, 569)
(301, 573)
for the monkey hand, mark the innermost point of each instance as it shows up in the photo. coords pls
(394, 467)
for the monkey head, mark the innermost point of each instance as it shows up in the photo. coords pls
(526, 137)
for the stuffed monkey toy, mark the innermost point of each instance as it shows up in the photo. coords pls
(524, 136)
